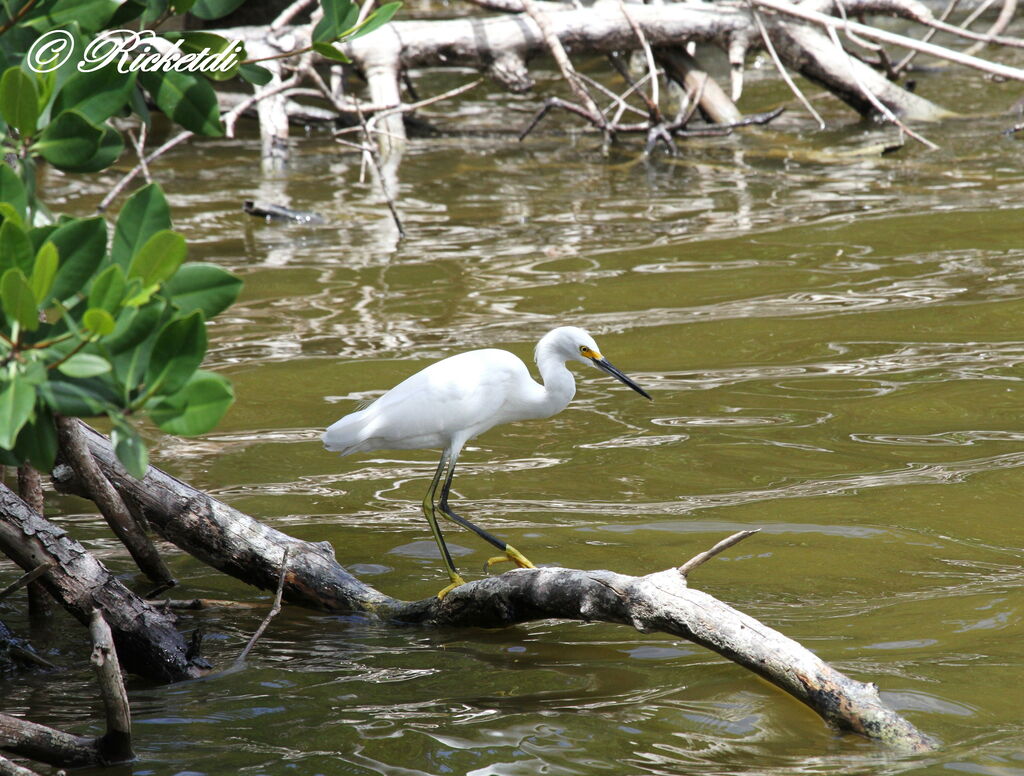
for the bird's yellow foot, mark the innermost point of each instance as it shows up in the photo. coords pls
(456, 581)
(512, 555)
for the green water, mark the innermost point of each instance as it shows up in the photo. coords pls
(834, 344)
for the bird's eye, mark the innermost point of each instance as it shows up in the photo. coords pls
(584, 349)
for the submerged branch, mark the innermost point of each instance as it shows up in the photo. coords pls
(662, 602)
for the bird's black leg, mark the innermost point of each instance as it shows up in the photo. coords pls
(511, 553)
(428, 510)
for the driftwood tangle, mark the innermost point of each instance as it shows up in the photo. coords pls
(503, 44)
(56, 747)
(241, 546)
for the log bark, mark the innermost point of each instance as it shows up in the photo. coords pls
(9, 768)
(146, 637)
(235, 543)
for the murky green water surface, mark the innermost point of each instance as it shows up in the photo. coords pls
(834, 344)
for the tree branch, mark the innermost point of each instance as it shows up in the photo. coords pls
(707, 555)
(116, 743)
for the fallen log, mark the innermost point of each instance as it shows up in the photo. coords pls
(10, 768)
(131, 534)
(248, 550)
(663, 602)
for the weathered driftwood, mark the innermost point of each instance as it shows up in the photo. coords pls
(46, 744)
(810, 52)
(116, 744)
(686, 71)
(501, 46)
(146, 637)
(226, 539)
(596, 30)
(236, 544)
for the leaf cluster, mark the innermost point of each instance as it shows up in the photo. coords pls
(62, 113)
(94, 325)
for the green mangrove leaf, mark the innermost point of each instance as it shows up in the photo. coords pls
(196, 408)
(84, 365)
(177, 353)
(201, 286)
(144, 214)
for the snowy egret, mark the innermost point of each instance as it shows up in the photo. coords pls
(451, 401)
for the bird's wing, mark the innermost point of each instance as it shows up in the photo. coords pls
(460, 396)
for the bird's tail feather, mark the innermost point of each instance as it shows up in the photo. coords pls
(346, 435)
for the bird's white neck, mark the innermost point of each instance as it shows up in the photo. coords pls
(559, 384)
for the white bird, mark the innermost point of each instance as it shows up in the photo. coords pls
(449, 402)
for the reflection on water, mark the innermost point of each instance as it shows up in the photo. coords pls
(834, 347)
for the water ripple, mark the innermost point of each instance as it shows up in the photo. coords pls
(941, 439)
(910, 474)
(945, 361)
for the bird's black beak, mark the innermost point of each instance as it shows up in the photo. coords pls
(606, 366)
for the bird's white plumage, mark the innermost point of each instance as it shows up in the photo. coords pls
(454, 400)
(450, 402)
